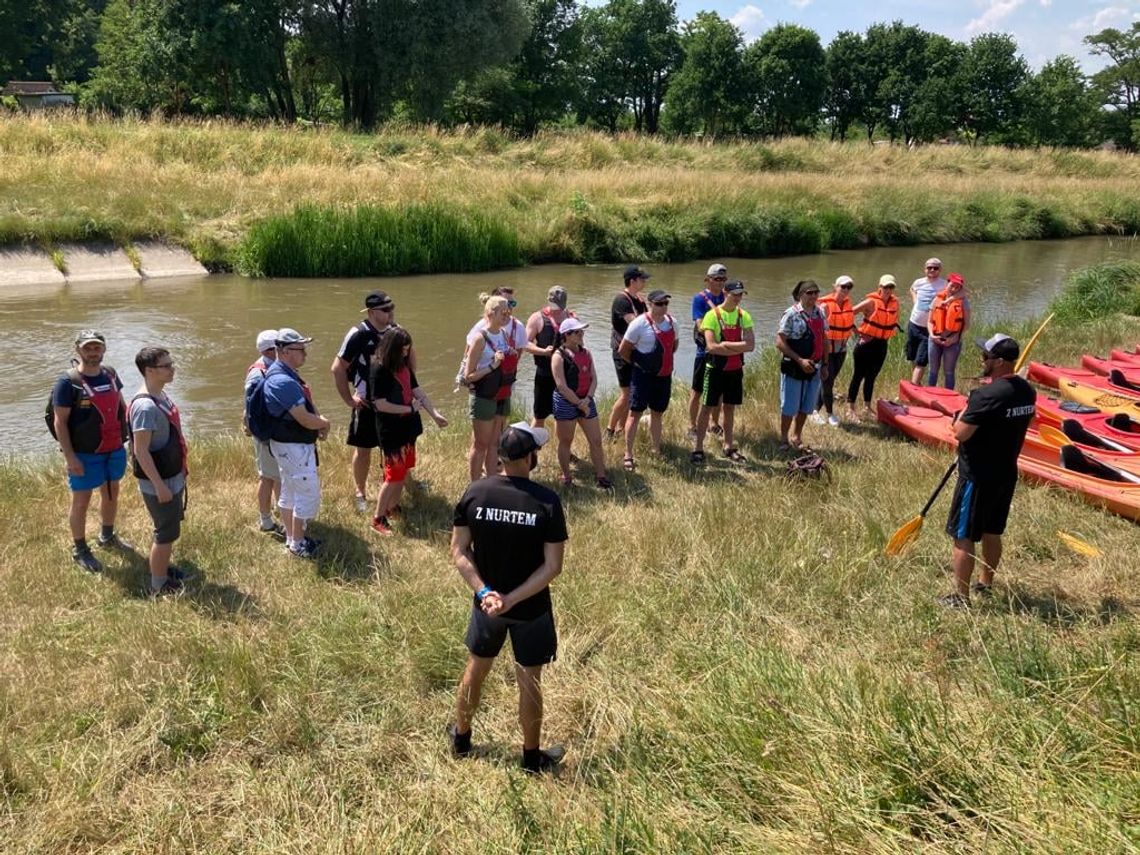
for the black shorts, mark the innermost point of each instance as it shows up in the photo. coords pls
(543, 396)
(699, 373)
(648, 391)
(979, 509)
(166, 516)
(917, 344)
(534, 642)
(723, 387)
(362, 429)
(624, 371)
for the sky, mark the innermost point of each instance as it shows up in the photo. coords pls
(1043, 29)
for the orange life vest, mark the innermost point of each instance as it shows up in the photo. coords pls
(883, 321)
(840, 320)
(948, 316)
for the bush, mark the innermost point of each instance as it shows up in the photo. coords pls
(1099, 291)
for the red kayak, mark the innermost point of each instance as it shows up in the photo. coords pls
(1124, 356)
(1104, 367)
(1051, 375)
(1069, 468)
(1107, 431)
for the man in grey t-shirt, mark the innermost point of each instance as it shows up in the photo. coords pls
(158, 450)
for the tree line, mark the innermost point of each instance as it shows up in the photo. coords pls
(528, 64)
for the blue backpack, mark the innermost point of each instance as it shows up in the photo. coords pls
(257, 417)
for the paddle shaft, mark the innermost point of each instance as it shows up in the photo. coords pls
(1032, 341)
(930, 503)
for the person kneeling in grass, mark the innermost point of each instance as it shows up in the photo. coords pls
(575, 382)
(397, 400)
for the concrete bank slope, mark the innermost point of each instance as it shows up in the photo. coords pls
(23, 267)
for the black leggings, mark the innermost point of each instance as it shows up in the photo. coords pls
(827, 390)
(869, 358)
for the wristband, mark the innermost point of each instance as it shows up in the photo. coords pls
(482, 592)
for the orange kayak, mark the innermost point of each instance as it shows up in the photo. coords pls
(1052, 375)
(1132, 359)
(1130, 371)
(1095, 482)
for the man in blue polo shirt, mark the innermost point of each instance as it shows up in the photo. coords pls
(297, 425)
(703, 302)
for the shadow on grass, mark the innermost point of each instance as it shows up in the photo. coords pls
(1056, 609)
(426, 516)
(214, 601)
(347, 554)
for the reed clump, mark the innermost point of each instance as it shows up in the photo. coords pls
(572, 196)
(1100, 292)
(740, 667)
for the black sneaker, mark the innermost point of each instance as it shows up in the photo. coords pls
(170, 588)
(460, 743)
(544, 760)
(114, 542)
(178, 574)
(954, 601)
(83, 556)
(275, 529)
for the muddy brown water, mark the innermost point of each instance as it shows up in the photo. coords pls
(209, 323)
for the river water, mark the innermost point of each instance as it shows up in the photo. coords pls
(209, 324)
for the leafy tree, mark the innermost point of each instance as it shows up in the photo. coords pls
(632, 49)
(1119, 83)
(993, 76)
(787, 68)
(140, 65)
(49, 39)
(940, 99)
(707, 91)
(897, 59)
(848, 82)
(1061, 107)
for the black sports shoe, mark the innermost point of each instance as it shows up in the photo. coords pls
(83, 556)
(170, 588)
(114, 542)
(460, 742)
(542, 760)
(178, 574)
(954, 600)
(982, 589)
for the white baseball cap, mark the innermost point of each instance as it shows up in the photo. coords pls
(844, 280)
(571, 325)
(266, 340)
(717, 269)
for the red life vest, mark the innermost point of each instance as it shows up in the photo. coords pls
(816, 325)
(948, 316)
(497, 385)
(107, 404)
(665, 340)
(730, 333)
(579, 370)
(404, 379)
(840, 319)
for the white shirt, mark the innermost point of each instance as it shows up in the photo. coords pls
(640, 332)
(924, 291)
(511, 335)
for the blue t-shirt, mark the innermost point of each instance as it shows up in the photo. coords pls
(283, 389)
(703, 301)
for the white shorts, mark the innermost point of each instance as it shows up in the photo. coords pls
(266, 462)
(300, 485)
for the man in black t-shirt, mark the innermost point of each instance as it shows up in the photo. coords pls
(626, 306)
(508, 539)
(990, 432)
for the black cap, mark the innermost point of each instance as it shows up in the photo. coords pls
(734, 287)
(520, 440)
(658, 296)
(634, 272)
(377, 300)
(1000, 346)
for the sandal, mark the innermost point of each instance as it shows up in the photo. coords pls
(566, 480)
(716, 430)
(697, 458)
(604, 483)
(734, 455)
(627, 464)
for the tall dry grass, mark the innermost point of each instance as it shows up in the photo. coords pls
(566, 196)
(740, 668)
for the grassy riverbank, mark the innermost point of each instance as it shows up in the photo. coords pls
(740, 668)
(229, 193)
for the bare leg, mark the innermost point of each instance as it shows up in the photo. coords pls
(388, 497)
(481, 433)
(565, 432)
(729, 411)
(917, 374)
(991, 556)
(361, 461)
(798, 429)
(159, 561)
(530, 704)
(77, 516)
(109, 502)
(619, 414)
(631, 423)
(655, 421)
(491, 461)
(702, 428)
(785, 426)
(593, 432)
(470, 690)
(962, 560)
(694, 408)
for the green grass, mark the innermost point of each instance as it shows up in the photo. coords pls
(740, 668)
(1100, 292)
(241, 194)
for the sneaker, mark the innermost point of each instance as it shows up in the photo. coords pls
(82, 556)
(460, 743)
(982, 589)
(275, 529)
(609, 434)
(302, 550)
(817, 418)
(833, 421)
(114, 542)
(178, 574)
(361, 503)
(954, 601)
(547, 760)
(380, 525)
(170, 588)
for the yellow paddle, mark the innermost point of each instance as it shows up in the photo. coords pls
(1078, 546)
(908, 532)
(1053, 436)
(1029, 346)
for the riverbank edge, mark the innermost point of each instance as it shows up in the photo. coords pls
(96, 261)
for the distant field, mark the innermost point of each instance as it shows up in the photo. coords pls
(740, 670)
(229, 193)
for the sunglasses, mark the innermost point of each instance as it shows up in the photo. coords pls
(934, 268)
(660, 302)
(720, 279)
(846, 287)
(164, 365)
(810, 293)
(299, 348)
(888, 287)
(512, 303)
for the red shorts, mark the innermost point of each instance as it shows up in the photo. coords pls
(398, 463)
